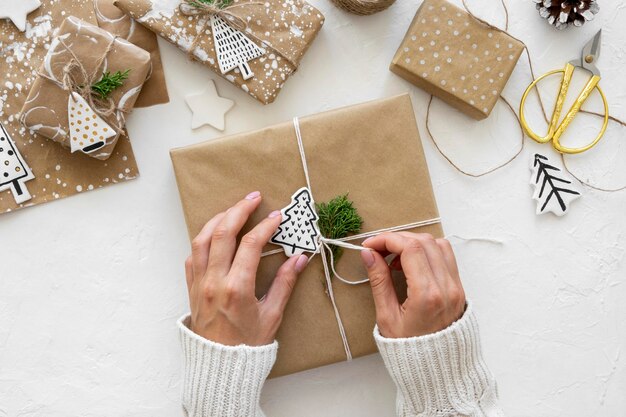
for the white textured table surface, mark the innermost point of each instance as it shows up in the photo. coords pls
(90, 287)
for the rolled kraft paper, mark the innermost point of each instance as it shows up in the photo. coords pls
(453, 56)
(286, 29)
(374, 153)
(45, 111)
(112, 19)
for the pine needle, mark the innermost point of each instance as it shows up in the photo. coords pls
(109, 82)
(337, 219)
(220, 4)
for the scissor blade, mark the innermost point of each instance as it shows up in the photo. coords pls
(592, 48)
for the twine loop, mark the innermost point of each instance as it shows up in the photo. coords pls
(219, 8)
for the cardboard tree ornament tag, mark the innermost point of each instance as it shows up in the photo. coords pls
(88, 131)
(298, 232)
(554, 189)
(14, 172)
(234, 49)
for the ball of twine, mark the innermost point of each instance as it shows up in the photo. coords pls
(363, 7)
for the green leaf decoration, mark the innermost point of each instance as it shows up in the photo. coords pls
(337, 219)
(220, 4)
(108, 83)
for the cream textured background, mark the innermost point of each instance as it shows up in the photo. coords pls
(90, 287)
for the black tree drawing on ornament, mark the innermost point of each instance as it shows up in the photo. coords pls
(298, 231)
(14, 172)
(553, 191)
(233, 48)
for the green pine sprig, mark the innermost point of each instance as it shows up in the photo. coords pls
(337, 219)
(218, 3)
(108, 83)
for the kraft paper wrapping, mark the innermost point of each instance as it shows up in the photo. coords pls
(457, 58)
(371, 151)
(286, 28)
(45, 109)
(113, 20)
(58, 173)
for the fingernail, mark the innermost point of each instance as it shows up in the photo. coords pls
(301, 263)
(368, 257)
(367, 240)
(275, 213)
(253, 195)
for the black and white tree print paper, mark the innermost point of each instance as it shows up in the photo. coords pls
(554, 189)
(88, 131)
(298, 231)
(14, 172)
(234, 49)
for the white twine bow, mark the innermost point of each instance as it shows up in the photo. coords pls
(324, 246)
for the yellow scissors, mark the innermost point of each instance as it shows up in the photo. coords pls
(589, 55)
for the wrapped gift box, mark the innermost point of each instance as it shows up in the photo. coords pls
(456, 57)
(285, 30)
(371, 151)
(46, 109)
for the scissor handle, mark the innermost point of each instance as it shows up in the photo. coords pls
(555, 131)
(582, 97)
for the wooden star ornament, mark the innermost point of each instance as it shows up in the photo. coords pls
(17, 10)
(208, 108)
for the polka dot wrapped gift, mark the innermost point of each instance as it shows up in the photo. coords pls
(58, 105)
(457, 58)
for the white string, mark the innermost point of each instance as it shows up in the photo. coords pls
(325, 243)
(296, 125)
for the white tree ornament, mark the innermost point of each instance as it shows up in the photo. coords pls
(88, 131)
(298, 231)
(554, 190)
(14, 172)
(233, 48)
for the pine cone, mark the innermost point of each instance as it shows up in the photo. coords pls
(563, 13)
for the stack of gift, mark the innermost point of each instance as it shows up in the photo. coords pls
(388, 183)
(254, 45)
(88, 83)
(456, 57)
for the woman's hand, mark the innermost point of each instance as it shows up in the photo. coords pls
(435, 296)
(221, 279)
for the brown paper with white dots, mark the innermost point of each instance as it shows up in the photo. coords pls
(457, 58)
(58, 173)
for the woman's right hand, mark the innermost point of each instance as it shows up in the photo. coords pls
(435, 296)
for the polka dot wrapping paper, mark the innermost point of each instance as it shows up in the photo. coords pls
(283, 28)
(46, 108)
(455, 57)
(58, 173)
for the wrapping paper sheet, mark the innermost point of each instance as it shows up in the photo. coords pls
(58, 173)
(115, 21)
(457, 58)
(371, 151)
(286, 28)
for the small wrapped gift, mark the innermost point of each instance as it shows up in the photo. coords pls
(259, 44)
(371, 151)
(62, 103)
(457, 58)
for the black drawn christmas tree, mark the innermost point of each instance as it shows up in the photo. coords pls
(298, 231)
(234, 49)
(14, 172)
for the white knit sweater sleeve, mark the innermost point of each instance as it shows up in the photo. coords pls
(223, 381)
(441, 374)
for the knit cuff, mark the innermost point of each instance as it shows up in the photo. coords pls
(223, 380)
(443, 373)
